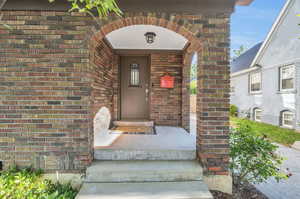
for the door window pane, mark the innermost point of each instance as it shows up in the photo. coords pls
(134, 75)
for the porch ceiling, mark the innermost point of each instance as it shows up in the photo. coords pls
(132, 37)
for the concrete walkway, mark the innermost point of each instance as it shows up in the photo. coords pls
(288, 189)
(166, 137)
(150, 190)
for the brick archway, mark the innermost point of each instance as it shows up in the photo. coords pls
(213, 76)
(168, 23)
(175, 24)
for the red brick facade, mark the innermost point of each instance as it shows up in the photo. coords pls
(56, 72)
(166, 103)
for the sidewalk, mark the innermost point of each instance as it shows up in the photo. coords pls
(288, 189)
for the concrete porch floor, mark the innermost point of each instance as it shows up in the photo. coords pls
(166, 138)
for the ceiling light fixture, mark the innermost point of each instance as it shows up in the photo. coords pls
(150, 36)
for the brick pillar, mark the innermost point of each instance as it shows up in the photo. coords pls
(213, 99)
(186, 71)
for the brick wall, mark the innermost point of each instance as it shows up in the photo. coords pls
(166, 103)
(44, 92)
(213, 94)
(102, 73)
(46, 85)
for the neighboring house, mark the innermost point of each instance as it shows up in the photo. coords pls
(265, 80)
(58, 69)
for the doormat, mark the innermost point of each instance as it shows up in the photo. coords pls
(134, 130)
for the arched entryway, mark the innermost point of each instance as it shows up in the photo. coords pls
(127, 73)
(213, 78)
(173, 47)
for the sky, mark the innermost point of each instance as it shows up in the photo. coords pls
(251, 24)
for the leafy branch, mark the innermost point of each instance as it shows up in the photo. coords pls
(253, 158)
(2, 3)
(102, 7)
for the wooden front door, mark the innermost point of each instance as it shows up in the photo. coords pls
(135, 75)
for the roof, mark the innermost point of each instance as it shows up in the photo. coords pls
(244, 61)
(272, 32)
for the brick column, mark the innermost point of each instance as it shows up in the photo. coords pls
(213, 98)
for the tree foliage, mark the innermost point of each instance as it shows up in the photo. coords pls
(102, 7)
(253, 158)
(233, 110)
(238, 52)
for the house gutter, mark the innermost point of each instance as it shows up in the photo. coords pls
(244, 71)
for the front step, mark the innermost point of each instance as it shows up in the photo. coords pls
(148, 154)
(152, 190)
(143, 171)
(133, 123)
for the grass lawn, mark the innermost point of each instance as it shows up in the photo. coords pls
(274, 133)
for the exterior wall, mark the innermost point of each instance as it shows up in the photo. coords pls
(241, 96)
(48, 85)
(297, 94)
(102, 72)
(270, 99)
(213, 94)
(166, 103)
(284, 45)
(45, 92)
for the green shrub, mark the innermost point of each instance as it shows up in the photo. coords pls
(233, 110)
(253, 158)
(193, 87)
(28, 184)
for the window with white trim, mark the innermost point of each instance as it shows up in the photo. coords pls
(257, 114)
(287, 119)
(255, 82)
(287, 74)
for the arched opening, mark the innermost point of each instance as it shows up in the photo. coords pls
(193, 92)
(126, 92)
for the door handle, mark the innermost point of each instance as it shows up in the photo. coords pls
(147, 92)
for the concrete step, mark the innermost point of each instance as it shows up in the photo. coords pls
(144, 154)
(133, 123)
(154, 190)
(143, 171)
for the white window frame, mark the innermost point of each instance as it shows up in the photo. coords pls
(255, 114)
(251, 81)
(283, 114)
(281, 79)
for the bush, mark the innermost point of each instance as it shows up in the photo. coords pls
(193, 87)
(27, 184)
(253, 158)
(233, 110)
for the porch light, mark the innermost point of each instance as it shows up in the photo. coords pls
(150, 36)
